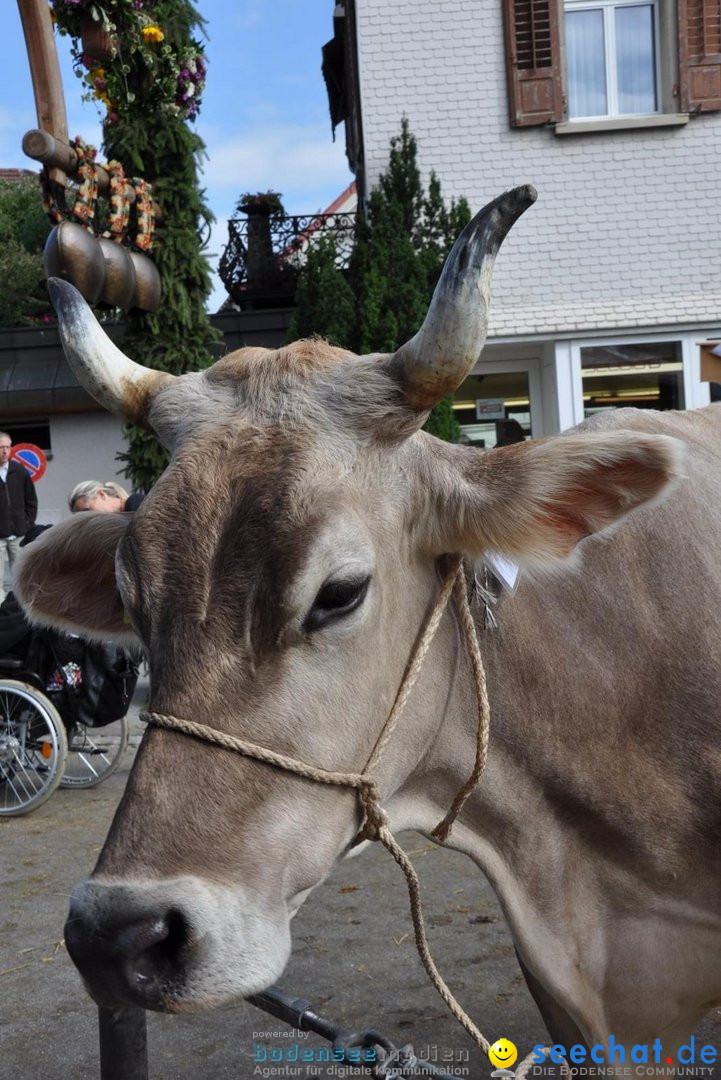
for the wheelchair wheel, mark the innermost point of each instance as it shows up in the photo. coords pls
(33, 748)
(94, 753)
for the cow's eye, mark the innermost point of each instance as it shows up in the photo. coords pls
(335, 600)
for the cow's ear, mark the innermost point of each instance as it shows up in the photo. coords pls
(66, 579)
(535, 501)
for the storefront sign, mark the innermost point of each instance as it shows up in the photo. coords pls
(490, 409)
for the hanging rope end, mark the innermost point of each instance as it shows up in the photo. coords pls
(442, 831)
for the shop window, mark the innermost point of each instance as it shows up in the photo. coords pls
(640, 376)
(494, 409)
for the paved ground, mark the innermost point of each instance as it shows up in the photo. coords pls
(353, 957)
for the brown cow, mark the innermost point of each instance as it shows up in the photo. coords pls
(278, 574)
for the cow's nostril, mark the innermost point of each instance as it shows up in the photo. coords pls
(135, 962)
(137, 938)
(155, 948)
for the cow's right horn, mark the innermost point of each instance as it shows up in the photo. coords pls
(112, 378)
(436, 361)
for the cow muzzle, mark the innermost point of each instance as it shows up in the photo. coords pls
(134, 962)
(173, 946)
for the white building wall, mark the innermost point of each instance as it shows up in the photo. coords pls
(626, 229)
(83, 448)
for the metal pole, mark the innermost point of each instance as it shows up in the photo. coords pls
(123, 1044)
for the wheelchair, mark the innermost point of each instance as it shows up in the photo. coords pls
(44, 742)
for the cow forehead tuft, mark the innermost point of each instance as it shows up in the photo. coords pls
(301, 358)
(308, 384)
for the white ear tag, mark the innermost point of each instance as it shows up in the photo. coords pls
(503, 569)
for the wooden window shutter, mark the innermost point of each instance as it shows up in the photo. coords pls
(699, 55)
(533, 61)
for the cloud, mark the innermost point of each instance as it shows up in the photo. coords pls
(301, 162)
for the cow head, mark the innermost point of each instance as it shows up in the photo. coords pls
(277, 575)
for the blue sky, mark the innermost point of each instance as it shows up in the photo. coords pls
(264, 117)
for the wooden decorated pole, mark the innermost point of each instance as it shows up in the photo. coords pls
(45, 73)
(105, 269)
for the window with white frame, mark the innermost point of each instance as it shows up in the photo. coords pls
(612, 62)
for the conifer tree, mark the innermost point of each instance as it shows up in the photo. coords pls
(403, 236)
(324, 300)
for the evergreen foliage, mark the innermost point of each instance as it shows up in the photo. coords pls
(403, 236)
(323, 297)
(23, 230)
(442, 421)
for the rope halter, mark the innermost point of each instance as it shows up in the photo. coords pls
(375, 824)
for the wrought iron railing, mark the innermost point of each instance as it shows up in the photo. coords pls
(264, 253)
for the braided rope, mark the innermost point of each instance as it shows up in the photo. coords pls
(376, 826)
(460, 595)
(391, 845)
(455, 573)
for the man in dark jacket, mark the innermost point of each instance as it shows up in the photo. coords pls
(18, 506)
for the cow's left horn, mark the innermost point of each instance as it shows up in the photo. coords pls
(112, 378)
(437, 360)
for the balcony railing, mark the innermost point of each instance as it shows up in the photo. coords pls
(260, 264)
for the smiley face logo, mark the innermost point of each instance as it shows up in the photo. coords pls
(503, 1053)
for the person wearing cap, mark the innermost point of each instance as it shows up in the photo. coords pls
(18, 506)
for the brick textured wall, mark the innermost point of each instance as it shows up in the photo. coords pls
(626, 231)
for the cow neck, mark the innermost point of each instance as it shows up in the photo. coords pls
(376, 826)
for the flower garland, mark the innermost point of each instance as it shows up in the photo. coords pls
(86, 198)
(144, 214)
(176, 71)
(125, 195)
(119, 201)
(51, 206)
